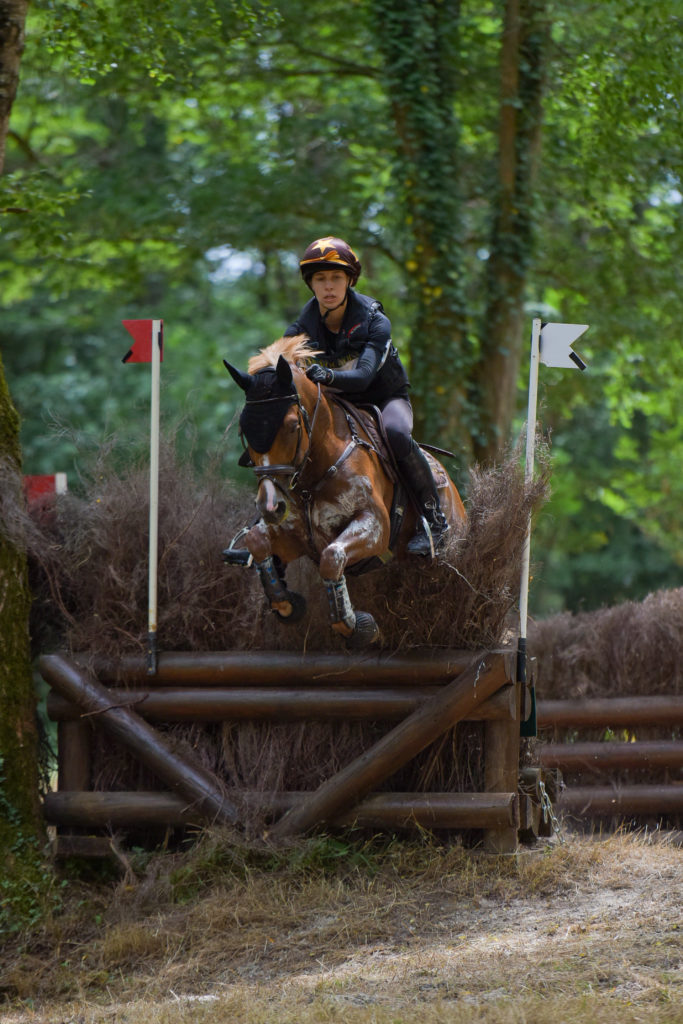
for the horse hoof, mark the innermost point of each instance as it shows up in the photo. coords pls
(292, 609)
(365, 633)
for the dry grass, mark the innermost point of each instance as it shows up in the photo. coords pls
(366, 932)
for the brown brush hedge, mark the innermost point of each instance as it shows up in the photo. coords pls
(89, 570)
(631, 648)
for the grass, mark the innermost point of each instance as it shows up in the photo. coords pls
(362, 931)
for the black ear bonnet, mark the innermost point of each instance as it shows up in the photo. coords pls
(268, 399)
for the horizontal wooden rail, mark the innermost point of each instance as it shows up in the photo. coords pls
(608, 756)
(427, 810)
(587, 801)
(282, 668)
(611, 711)
(320, 703)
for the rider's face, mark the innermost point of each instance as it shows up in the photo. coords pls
(329, 288)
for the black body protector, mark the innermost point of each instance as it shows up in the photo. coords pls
(366, 365)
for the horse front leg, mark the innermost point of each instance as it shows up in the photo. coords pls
(365, 536)
(271, 567)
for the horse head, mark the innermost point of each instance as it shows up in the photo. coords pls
(275, 425)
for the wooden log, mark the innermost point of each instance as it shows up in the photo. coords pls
(74, 754)
(501, 770)
(195, 785)
(319, 704)
(426, 810)
(652, 801)
(81, 846)
(435, 716)
(596, 712)
(608, 755)
(282, 668)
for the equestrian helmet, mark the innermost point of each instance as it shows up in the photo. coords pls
(329, 254)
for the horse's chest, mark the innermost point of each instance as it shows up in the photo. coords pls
(332, 513)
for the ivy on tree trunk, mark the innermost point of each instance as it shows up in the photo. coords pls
(522, 64)
(418, 43)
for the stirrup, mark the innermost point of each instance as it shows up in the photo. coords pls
(238, 556)
(428, 538)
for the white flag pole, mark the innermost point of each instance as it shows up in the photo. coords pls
(157, 341)
(529, 470)
(528, 727)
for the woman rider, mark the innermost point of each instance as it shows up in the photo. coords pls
(358, 359)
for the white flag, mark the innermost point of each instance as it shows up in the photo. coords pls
(556, 345)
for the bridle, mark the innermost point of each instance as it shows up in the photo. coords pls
(295, 469)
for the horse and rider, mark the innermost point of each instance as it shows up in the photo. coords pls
(326, 488)
(352, 335)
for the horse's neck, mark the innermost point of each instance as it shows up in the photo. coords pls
(324, 440)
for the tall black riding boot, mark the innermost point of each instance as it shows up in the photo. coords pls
(432, 525)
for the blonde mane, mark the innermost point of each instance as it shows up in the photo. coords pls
(295, 350)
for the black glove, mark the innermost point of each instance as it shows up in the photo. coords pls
(319, 374)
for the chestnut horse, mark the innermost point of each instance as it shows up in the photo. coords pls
(325, 489)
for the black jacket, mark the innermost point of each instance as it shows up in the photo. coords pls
(364, 336)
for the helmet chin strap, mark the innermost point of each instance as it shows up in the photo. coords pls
(333, 308)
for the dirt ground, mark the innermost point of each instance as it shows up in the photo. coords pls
(587, 929)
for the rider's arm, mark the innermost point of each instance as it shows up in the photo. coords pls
(370, 360)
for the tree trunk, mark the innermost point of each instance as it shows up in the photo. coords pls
(21, 829)
(12, 21)
(20, 818)
(417, 40)
(502, 334)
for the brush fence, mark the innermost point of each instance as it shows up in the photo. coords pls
(620, 758)
(420, 697)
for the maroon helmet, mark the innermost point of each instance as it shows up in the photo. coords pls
(329, 254)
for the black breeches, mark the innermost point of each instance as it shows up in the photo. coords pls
(397, 416)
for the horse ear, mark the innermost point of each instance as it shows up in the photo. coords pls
(284, 372)
(243, 379)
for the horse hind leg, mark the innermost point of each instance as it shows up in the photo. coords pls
(358, 628)
(287, 604)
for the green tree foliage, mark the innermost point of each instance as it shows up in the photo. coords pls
(489, 161)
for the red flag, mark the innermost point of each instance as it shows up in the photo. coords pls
(44, 486)
(141, 333)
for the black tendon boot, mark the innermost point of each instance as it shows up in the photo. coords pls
(432, 525)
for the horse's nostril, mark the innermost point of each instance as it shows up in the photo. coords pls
(275, 512)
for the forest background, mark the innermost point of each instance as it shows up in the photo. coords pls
(490, 162)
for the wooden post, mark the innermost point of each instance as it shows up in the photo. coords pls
(435, 716)
(501, 773)
(194, 784)
(74, 755)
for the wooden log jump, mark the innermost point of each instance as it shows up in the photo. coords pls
(428, 810)
(281, 668)
(596, 712)
(322, 704)
(427, 695)
(621, 800)
(609, 756)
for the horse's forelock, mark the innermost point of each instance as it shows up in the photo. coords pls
(296, 350)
